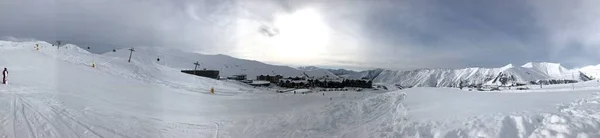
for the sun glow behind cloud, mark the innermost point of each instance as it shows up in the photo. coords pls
(301, 34)
(303, 37)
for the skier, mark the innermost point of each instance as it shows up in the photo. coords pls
(4, 74)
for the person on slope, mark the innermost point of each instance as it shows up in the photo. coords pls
(4, 74)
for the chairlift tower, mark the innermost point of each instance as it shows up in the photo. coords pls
(196, 64)
(58, 44)
(130, 52)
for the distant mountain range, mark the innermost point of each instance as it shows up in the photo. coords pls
(526, 73)
(420, 77)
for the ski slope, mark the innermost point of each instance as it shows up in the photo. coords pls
(56, 93)
(228, 66)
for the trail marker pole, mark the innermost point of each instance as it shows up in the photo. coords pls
(573, 84)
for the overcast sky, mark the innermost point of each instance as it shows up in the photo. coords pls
(355, 34)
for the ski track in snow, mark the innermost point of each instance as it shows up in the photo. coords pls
(40, 115)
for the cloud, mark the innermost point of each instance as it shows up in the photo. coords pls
(571, 29)
(395, 34)
(103, 23)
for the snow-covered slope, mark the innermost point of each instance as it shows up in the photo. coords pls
(56, 93)
(551, 69)
(368, 74)
(308, 68)
(341, 72)
(452, 77)
(227, 65)
(438, 112)
(349, 74)
(592, 70)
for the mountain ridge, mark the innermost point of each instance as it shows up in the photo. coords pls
(531, 71)
(541, 71)
(228, 65)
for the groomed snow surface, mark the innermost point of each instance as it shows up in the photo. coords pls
(56, 93)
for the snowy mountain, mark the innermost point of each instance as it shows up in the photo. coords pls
(368, 74)
(227, 65)
(592, 70)
(309, 68)
(341, 72)
(473, 76)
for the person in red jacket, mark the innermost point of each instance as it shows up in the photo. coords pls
(4, 74)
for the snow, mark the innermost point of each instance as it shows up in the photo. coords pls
(56, 93)
(474, 76)
(339, 72)
(551, 69)
(507, 67)
(260, 82)
(592, 70)
(369, 74)
(438, 112)
(228, 66)
(430, 104)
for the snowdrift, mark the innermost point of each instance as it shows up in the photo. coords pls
(332, 120)
(436, 112)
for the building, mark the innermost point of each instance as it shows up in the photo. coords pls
(204, 73)
(238, 77)
(292, 83)
(272, 79)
